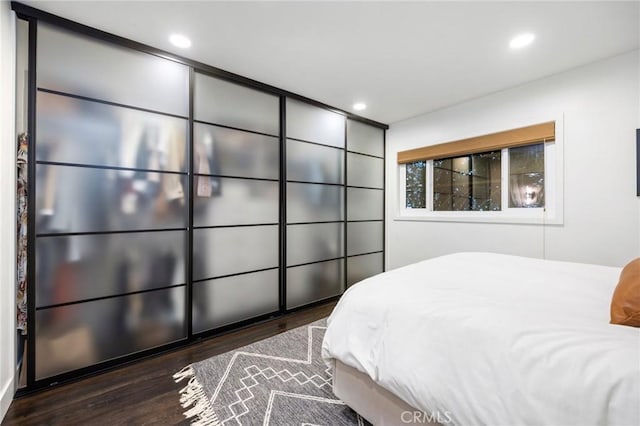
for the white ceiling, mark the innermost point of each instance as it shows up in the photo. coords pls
(401, 58)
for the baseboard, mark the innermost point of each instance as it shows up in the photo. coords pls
(6, 397)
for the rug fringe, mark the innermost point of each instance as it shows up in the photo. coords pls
(193, 395)
(184, 373)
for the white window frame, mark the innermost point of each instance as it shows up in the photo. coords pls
(551, 214)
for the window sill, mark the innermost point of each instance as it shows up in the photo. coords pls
(527, 217)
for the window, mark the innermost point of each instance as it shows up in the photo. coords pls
(526, 176)
(470, 182)
(513, 179)
(416, 195)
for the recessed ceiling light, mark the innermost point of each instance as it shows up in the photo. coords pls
(359, 106)
(180, 41)
(521, 40)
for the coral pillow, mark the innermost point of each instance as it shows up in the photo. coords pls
(625, 304)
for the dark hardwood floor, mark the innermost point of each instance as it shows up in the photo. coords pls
(142, 393)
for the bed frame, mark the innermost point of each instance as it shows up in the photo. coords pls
(376, 404)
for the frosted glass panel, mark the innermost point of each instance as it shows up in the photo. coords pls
(364, 204)
(221, 102)
(22, 76)
(220, 151)
(83, 132)
(83, 267)
(364, 237)
(314, 124)
(228, 300)
(73, 63)
(314, 163)
(224, 251)
(229, 201)
(77, 199)
(314, 202)
(361, 267)
(80, 335)
(365, 171)
(364, 138)
(309, 283)
(310, 243)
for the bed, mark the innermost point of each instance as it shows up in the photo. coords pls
(482, 338)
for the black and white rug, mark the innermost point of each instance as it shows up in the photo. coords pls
(277, 381)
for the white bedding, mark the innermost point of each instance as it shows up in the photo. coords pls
(493, 339)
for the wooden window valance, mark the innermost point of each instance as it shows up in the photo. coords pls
(543, 132)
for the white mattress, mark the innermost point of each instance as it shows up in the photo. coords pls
(493, 339)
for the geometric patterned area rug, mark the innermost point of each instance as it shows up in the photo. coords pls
(281, 380)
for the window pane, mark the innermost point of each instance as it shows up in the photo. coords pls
(526, 176)
(416, 195)
(467, 183)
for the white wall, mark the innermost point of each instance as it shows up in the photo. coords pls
(7, 207)
(600, 110)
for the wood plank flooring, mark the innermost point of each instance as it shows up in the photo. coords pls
(142, 393)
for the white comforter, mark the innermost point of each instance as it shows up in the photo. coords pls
(493, 339)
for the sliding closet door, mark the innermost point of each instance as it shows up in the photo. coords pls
(365, 201)
(236, 150)
(315, 203)
(110, 209)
